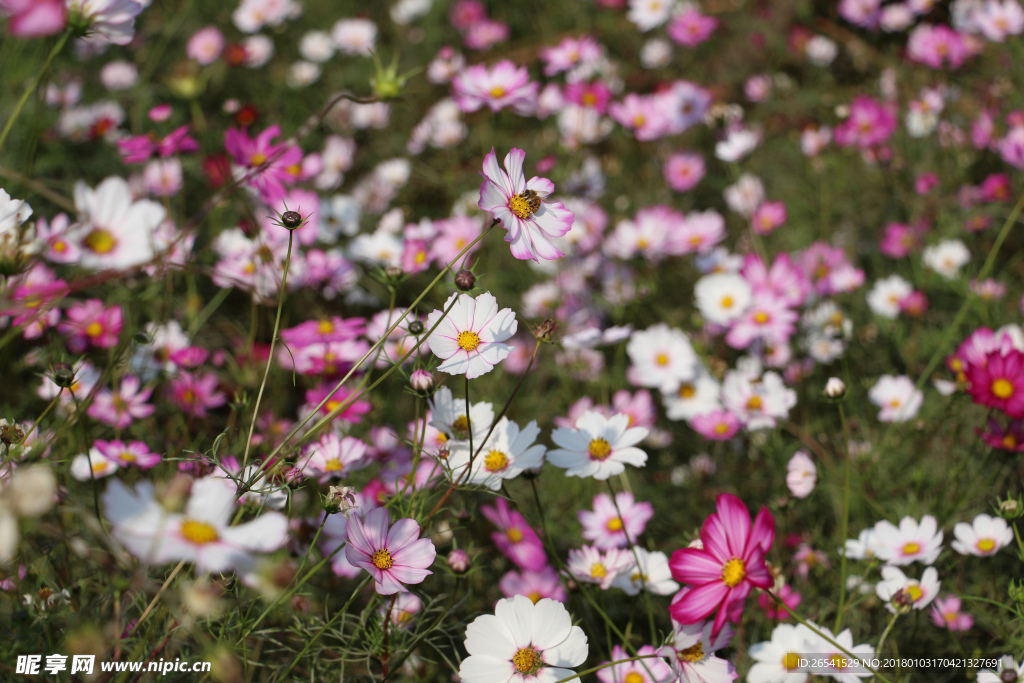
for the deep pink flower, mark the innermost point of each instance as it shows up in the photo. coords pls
(946, 614)
(503, 85)
(1010, 439)
(394, 556)
(595, 95)
(90, 324)
(999, 383)
(568, 53)
(285, 163)
(131, 454)
(683, 170)
(119, 409)
(515, 538)
(717, 425)
(195, 392)
(520, 205)
(937, 46)
(534, 585)
(900, 240)
(730, 564)
(353, 413)
(767, 217)
(870, 124)
(465, 13)
(34, 18)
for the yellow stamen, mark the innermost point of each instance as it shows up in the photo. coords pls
(599, 449)
(199, 533)
(733, 572)
(381, 559)
(468, 341)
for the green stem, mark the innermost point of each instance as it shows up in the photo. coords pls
(885, 633)
(31, 89)
(845, 527)
(639, 569)
(273, 341)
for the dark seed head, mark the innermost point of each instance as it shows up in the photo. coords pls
(63, 375)
(465, 280)
(416, 327)
(291, 219)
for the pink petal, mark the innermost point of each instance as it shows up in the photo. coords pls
(494, 173)
(404, 532)
(514, 165)
(694, 566)
(735, 518)
(698, 602)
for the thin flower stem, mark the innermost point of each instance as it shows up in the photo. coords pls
(845, 526)
(386, 655)
(821, 635)
(636, 558)
(32, 88)
(312, 544)
(273, 342)
(595, 669)
(1020, 543)
(885, 633)
(39, 419)
(156, 598)
(990, 602)
(297, 428)
(469, 428)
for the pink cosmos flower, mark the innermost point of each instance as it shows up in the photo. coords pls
(515, 538)
(946, 614)
(807, 558)
(90, 324)
(119, 409)
(484, 34)
(465, 13)
(683, 170)
(767, 318)
(205, 45)
(716, 425)
(595, 95)
(999, 382)
(196, 392)
(519, 204)
(453, 234)
(1009, 439)
(729, 565)
(503, 85)
(394, 556)
(784, 279)
(937, 46)
(646, 116)
(534, 585)
(691, 28)
(653, 670)
(251, 153)
(767, 217)
(333, 456)
(353, 413)
(568, 53)
(606, 529)
(33, 300)
(900, 240)
(34, 18)
(133, 453)
(870, 124)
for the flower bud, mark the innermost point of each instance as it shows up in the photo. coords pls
(421, 381)
(340, 499)
(416, 327)
(10, 433)
(1009, 509)
(545, 332)
(835, 388)
(291, 219)
(63, 375)
(458, 561)
(903, 601)
(465, 280)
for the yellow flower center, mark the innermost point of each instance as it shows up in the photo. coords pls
(495, 461)
(257, 159)
(721, 428)
(325, 327)
(468, 341)
(694, 653)
(333, 465)
(614, 524)
(733, 572)
(514, 534)
(790, 661)
(687, 391)
(461, 426)
(522, 206)
(662, 359)
(754, 403)
(100, 241)
(527, 661)
(534, 597)
(599, 449)
(761, 318)
(127, 457)
(497, 91)
(421, 257)
(199, 533)
(1002, 388)
(837, 661)
(951, 616)
(911, 548)
(1010, 441)
(381, 559)
(94, 329)
(985, 545)
(598, 571)
(726, 302)
(633, 677)
(915, 592)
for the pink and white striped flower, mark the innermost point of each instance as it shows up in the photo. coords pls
(470, 339)
(394, 555)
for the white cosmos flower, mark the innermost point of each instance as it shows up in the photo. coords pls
(911, 542)
(108, 20)
(801, 475)
(661, 357)
(648, 14)
(470, 339)
(201, 534)
(112, 231)
(696, 397)
(722, 297)
(102, 466)
(921, 593)
(825, 650)
(523, 643)
(692, 653)
(448, 416)
(598, 446)
(507, 452)
(778, 659)
(946, 258)
(984, 536)
(897, 397)
(15, 241)
(885, 297)
(591, 565)
(652, 573)
(864, 547)
(757, 403)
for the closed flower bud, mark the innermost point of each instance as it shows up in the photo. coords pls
(835, 388)
(458, 561)
(63, 375)
(340, 499)
(545, 332)
(291, 219)
(416, 327)
(1009, 509)
(421, 381)
(465, 280)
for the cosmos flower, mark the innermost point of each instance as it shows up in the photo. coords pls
(984, 536)
(598, 446)
(520, 205)
(394, 555)
(470, 339)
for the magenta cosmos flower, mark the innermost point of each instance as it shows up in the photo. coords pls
(393, 557)
(515, 538)
(727, 567)
(34, 18)
(519, 204)
(999, 383)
